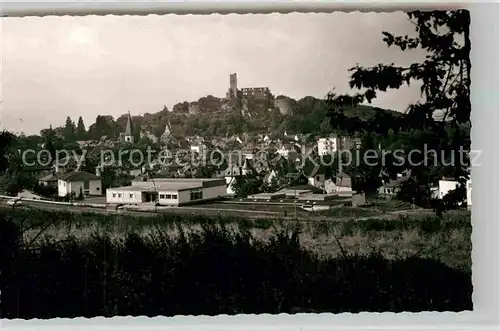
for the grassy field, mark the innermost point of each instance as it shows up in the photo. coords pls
(446, 240)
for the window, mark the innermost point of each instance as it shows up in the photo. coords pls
(97, 188)
(174, 196)
(196, 194)
(114, 195)
(119, 195)
(131, 195)
(317, 178)
(168, 196)
(162, 196)
(86, 185)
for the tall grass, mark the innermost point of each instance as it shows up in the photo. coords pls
(446, 240)
(215, 269)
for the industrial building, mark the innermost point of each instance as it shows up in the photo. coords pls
(168, 191)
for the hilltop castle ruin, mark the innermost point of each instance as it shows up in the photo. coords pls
(257, 93)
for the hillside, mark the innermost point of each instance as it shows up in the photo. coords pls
(211, 116)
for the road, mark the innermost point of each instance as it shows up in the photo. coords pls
(249, 214)
(175, 210)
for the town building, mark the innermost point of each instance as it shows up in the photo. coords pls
(342, 182)
(327, 145)
(330, 145)
(390, 187)
(49, 180)
(168, 191)
(79, 183)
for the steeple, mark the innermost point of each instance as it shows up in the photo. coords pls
(128, 130)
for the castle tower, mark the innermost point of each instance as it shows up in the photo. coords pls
(233, 87)
(128, 130)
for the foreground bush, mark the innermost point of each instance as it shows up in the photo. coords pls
(213, 272)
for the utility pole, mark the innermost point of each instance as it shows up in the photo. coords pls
(156, 194)
(295, 202)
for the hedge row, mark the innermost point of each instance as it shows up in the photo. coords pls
(427, 224)
(209, 273)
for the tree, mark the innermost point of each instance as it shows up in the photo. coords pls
(69, 129)
(247, 185)
(205, 171)
(81, 132)
(13, 179)
(437, 121)
(6, 140)
(272, 186)
(50, 142)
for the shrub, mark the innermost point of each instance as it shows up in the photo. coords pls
(225, 273)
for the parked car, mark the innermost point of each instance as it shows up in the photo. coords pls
(14, 202)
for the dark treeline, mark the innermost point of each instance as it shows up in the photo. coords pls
(212, 272)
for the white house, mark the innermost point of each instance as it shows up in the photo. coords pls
(318, 180)
(391, 187)
(446, 186)
(317, 177)
(79, 182)
(198, 148)
(168, 191)
(327, 145)
(340, 183)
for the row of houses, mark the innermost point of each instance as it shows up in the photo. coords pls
(180, 191)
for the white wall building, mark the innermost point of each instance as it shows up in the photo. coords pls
(340, 183)
(79, 182)
(198, 148)
(327, 146)
(168, 191)
(317, 180)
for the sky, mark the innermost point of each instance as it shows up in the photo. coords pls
(53, 67)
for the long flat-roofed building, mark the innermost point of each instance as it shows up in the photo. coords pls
(168, 191)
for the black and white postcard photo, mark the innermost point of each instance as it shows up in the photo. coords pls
(165, 165)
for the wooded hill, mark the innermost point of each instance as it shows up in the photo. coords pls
(212, 117)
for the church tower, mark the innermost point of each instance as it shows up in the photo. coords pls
(128, 130)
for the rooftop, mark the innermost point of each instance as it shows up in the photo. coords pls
(78, 176)
(174, 184)
(48, 178)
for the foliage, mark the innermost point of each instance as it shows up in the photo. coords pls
(45, 190)
(231, 273)
(246, 185)
(81, 132)
(69, 129)
(6, 139)
(441, 121)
